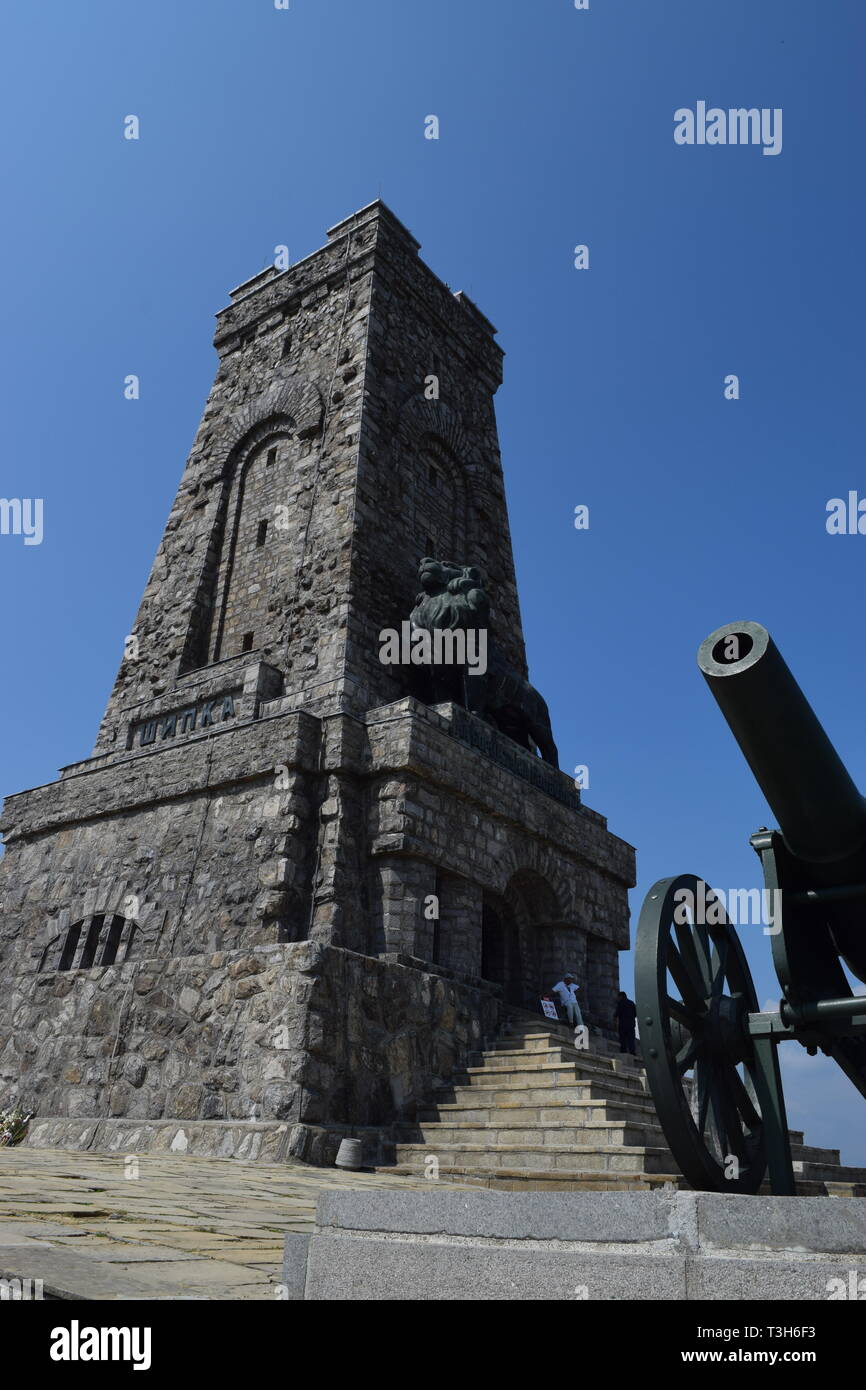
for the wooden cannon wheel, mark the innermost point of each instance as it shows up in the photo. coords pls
(694, 992)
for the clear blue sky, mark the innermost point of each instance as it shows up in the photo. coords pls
(261, 127)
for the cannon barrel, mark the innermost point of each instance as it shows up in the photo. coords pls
(819, 810)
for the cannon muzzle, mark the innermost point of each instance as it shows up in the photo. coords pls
(820, 812)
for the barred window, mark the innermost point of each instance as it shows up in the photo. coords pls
(93, 941)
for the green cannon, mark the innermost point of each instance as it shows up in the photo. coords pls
(710, 1053)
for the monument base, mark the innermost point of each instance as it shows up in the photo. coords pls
(268, 1141)
(479, 1246)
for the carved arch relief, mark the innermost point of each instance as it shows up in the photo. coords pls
(435, 502)
(256, 551)
(287, 411)
(521, 859)
(428, 435)
(425, 424)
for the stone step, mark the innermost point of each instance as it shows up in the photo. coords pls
(807, 1153)
(801, 1153)
(604, 1121)
(515, 1180)
(518, 1056)
(506, 1059)
(812, 1188)
(839, 1189)
(573, 1093)
(537, 1046)
(550, 1074)
(534, 1042)
(530, 1024)
(540, 1065)
(606, 1158)
(527, 1019)
(597, 1041)
(828, 1172)
(531, 1041)
(532, 1111)
(503, 1058)
(445, 1135)
(549, 1115)
(576, 1180)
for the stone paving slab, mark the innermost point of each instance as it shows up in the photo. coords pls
(121, 1252)
(185, 1227)
(67, 1275)
(9, 1236)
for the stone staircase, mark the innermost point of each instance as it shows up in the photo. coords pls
(535, 1113)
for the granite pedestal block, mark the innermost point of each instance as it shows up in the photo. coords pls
(598, 1246)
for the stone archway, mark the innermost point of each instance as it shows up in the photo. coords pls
(500, 949)
(526, 944)
(538, 914)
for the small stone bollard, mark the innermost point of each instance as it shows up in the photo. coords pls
(350, 1154)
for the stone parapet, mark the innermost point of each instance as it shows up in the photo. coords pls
(600, 1246)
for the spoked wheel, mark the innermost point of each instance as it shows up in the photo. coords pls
(694, 992)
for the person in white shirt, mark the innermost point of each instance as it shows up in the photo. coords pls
(566, 993)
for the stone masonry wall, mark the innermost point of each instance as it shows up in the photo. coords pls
(449, 804)
(213, 845)
(301, 1032)
(369, 818)
(292, 350)
(420, 330)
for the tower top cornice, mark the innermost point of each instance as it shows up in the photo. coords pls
(363, 233)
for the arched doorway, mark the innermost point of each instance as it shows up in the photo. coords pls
(500, 950)
(542, 945)
(526, 945)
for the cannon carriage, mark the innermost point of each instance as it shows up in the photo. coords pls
(711, 1055)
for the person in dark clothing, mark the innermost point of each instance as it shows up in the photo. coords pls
(626, 1015)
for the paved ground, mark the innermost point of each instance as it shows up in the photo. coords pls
(181, 1228)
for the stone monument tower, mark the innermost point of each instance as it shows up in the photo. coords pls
(292, 887)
